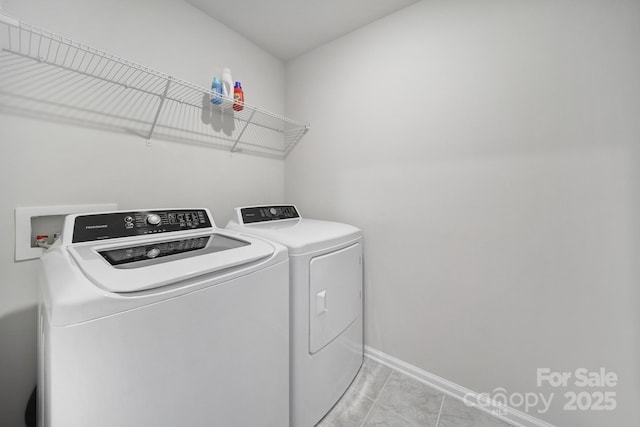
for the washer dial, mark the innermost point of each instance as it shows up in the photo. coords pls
(153, 219)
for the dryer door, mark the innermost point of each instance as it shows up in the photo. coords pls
(335, 294)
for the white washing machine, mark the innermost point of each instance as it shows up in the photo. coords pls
(325, 261)
(158, 318)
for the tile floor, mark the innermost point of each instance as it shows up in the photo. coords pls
(383, 397)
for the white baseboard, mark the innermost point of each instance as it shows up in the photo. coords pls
(510, 415)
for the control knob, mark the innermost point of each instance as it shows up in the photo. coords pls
(273, 211)
(153, 219)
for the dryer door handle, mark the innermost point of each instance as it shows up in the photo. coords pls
(321, 302)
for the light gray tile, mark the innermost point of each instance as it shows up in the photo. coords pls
(350, 411)
(371, 378)
(415, 401)
(382, 416)
(456, 413)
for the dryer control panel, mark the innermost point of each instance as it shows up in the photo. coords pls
(255, 214)
(91, 227)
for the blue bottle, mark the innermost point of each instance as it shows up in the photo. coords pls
(216, 87)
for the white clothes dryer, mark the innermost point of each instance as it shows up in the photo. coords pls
(158, 318)
(326, 277)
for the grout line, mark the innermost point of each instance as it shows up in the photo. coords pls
(375, 402)
(444, 396)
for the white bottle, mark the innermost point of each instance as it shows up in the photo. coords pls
(227, 87)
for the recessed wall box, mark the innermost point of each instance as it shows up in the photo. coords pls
(48, 220)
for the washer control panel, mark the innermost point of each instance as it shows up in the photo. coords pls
(88, 228)
(255, 214)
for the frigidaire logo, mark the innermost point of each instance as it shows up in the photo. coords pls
(89, 227)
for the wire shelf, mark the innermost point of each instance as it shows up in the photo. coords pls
(51, 77)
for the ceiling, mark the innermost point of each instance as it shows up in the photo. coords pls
(288, 28)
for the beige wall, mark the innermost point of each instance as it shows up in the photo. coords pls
(44, 163)
(489, 151)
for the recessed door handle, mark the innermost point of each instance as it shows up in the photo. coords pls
(321, 302)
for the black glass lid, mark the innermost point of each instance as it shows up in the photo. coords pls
(151, 253)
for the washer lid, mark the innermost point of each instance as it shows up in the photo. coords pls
(302, 235)
(152, 263)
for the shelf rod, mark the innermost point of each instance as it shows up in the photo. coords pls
(233, 149)
(9, 20)
(155, 119)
